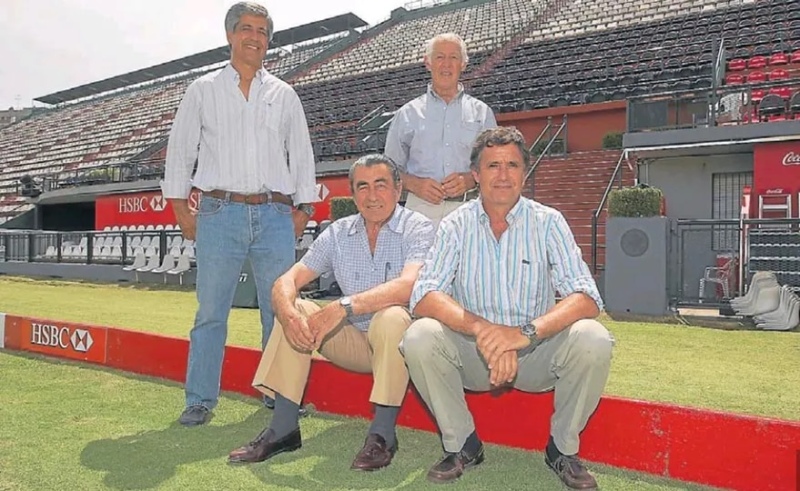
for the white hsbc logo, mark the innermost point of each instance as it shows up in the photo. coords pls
(142, 204)
(791, 158)
(60, 337)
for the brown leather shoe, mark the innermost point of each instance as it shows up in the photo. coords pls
(453, 465)
(265, 446)
(572, 472)
(374, 455)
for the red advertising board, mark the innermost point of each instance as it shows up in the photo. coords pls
(329, 187)
(62, 339)
(146, 208)
(776, 174)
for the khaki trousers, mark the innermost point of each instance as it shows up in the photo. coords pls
(435, 212)
(285, 370)
(575, 362)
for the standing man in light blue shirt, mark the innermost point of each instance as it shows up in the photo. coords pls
(431, 136)
(375, 256)
(247, 131)
(486, 295)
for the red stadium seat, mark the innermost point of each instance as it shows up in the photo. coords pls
(756, 77)
(778, 74)
(757, 95)
(734, 79)
(779, 59)
(783, 92)
(795, 57)
(739, 64)
(757, 62)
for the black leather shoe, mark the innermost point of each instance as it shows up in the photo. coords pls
(265, 446)
(571, 471)
(375, 454)
(195, 416)
(453, 465)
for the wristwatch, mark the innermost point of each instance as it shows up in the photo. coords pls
(529, 331)
(347, 303)
(306, 208)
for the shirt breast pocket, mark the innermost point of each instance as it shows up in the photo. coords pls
(532, 278)
(270, 117)
(469, 132)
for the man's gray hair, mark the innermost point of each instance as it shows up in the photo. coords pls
(237, 10)
(371, 160)
(495, 137)
(451, 37)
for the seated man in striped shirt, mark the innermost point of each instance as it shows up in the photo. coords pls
(486, 295)
(375, 256)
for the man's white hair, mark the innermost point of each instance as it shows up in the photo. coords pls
(451, 37)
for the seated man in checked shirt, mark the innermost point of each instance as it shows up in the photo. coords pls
(486, 295)
(375, 256)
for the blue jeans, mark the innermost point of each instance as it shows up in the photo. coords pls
(227, 234)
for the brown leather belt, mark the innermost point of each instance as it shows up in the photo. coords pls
(250, 199)
(471, 194)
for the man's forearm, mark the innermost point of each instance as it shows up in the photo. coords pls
(284, 296)
(409, 182)
(444, 309)
(568, 311)
(394, 292)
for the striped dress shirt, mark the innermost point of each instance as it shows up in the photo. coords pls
(433, 139)
(248, 146)
(343, 248)
(509, 281)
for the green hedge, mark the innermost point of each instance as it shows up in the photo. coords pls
(557, 148)
(638, 201)
(612, 140)
(342, 206)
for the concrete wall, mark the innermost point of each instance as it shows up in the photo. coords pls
(687, 186)
(90, 272)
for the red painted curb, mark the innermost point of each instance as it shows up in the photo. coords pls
(720, 449)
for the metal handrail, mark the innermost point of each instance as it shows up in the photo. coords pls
(599, 210)
(534, 165)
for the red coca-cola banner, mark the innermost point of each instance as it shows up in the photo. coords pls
(776, 176)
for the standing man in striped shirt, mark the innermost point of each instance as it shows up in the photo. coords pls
(247, 131)
(431, 136)
(486, 295)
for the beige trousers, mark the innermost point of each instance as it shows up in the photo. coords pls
(435, 212)
(574, 362)
(285, 370)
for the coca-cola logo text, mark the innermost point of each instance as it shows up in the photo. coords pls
(791, 158)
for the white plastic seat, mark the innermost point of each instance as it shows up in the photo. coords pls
(152, 263)
(139, 261)
(184, 264)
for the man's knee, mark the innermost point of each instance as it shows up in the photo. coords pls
(591, 341)
(388, 326)
(307, 307)
(421, 339)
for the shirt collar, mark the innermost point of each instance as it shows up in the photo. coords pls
(513, 215)
(394, 223)
(231, 73)
(458, 94)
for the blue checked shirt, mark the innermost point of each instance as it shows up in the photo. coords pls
(343, 248)
(511, 281)
(430, 138)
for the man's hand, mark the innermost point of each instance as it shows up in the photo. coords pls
(297, 332)
(186, 218)
(321, 323)
(496, 340)
(505, 370)
(458, 183)
(300, 220)
(428, 189)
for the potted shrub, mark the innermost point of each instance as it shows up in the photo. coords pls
(342, 206)
(612, 140)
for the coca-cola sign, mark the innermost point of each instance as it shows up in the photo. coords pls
(791, 158)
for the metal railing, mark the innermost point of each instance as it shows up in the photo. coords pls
(617, 174)
(553, 137)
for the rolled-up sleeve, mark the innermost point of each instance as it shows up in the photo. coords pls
(319, 257)
(420, 239)
(183, 146)
(301, 154)
(569, 270)
(441, 263)
(396, 149)
(489, 122)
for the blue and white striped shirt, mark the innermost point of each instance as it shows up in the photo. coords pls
(511, 281)
(343, 248)
(249, 146)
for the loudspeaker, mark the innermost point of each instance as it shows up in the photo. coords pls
(636, 265)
